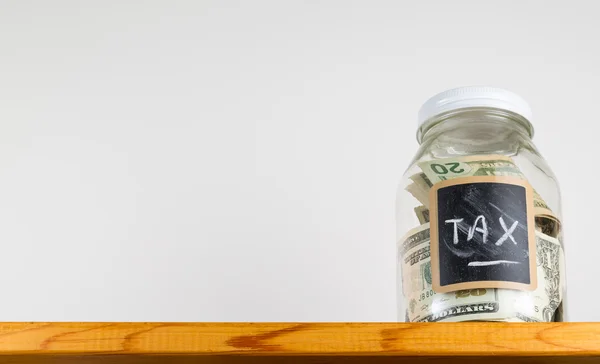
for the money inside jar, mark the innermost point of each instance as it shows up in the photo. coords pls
(482, 227)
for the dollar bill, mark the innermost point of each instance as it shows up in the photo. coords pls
(425, 305)
(548, 225)
(541, 304)
(507, 305)
(420, 187)
(438, 170)
(422, 181)
(422, 213)
(421, 195)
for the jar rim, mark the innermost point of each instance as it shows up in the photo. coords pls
(426, 125)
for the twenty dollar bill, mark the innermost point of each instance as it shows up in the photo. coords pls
(438, 170)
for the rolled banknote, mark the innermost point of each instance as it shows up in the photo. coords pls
(421, 195)
(422, 213)
(547, 225)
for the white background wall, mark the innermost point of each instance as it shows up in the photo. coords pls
(237, 160)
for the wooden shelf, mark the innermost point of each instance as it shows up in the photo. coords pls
(298, 342)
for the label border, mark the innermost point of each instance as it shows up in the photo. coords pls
(434, 236)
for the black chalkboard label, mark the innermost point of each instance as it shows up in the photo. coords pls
(482, 234)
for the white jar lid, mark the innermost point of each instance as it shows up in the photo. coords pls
(473, 96)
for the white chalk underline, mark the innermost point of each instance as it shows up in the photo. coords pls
(493, 262)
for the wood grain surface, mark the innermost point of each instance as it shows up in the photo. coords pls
(297, 342)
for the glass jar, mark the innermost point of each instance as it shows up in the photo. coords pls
(493, 249)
